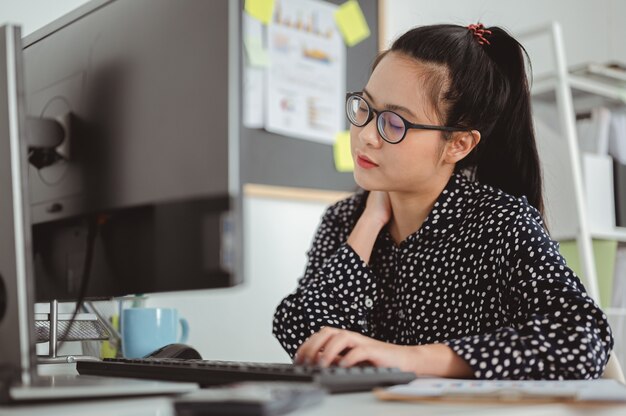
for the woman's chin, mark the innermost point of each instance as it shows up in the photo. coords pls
(363, 184)
(369, 185)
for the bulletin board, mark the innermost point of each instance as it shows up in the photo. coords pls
(281, 161)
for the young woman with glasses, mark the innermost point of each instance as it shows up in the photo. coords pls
(443, 265)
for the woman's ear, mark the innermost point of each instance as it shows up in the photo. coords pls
(460, 145)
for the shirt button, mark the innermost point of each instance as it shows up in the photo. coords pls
(369, 302)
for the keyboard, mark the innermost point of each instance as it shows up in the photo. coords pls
(211, 373)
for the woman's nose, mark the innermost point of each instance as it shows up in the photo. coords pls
(369, 134)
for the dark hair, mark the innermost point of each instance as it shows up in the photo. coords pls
(482, 87)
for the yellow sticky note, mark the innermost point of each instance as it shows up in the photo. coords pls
(261, 10)
(109, 349)
(257, 55)
(342, 153)
(351, 22)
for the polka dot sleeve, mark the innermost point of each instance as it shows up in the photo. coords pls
(557, 331)
(338, 289)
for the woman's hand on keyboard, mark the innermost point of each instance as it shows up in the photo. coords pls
(333, 346)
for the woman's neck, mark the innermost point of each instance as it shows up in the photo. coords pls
(410, 209)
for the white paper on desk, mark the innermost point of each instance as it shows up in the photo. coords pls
(581, 390)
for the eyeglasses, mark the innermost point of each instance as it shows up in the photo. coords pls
(391, 126)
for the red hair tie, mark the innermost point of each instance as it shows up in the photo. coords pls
(479, 33)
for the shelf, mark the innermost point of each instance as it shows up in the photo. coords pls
(547, 84)
(576, 91)
(618, 234)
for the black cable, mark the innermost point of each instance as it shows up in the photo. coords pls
(92, 232)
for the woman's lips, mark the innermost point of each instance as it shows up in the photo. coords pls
(365, 163)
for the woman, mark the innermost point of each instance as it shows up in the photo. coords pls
(443, 266)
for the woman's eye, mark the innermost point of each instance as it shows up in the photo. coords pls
(363, 109)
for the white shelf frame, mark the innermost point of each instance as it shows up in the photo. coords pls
(548, 82)
(561, 82)
(616, 234)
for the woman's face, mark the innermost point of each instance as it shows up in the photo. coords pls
(397, 84)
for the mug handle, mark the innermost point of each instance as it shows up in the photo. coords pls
(184, 325)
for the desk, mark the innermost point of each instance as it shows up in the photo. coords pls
(360, 404)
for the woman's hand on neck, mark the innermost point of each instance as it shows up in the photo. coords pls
(377, 213)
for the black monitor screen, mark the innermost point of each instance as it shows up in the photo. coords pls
(144, 190)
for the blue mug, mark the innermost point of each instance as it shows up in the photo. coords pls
(145, 330)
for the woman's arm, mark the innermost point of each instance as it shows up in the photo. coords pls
(555, 330)
(327, 295)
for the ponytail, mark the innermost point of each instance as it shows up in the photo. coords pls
(486, 90)
(509, 158)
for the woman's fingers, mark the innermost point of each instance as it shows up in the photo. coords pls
(309, 350)
(335, 346)
(331, 346)
(355, 356)
(378, 204)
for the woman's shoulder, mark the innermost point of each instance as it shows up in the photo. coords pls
(347, 210)
(493, 203)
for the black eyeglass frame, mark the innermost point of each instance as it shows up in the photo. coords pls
(407, 124)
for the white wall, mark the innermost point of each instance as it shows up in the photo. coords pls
(592, 30)
(33, 14)
(617, 30)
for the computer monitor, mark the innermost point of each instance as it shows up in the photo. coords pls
(145, 187)
(145, 90)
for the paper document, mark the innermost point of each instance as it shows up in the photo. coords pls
(306, 76)
(254, 72)
(506, 390)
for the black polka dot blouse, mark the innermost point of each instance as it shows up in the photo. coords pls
(481, 275)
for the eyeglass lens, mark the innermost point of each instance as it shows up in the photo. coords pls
(389, 124)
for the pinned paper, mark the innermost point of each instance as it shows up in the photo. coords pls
(261, 10)
(351, 22)
(342, 153)
(257, 55)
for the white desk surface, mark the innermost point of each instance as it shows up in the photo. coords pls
(360, 404)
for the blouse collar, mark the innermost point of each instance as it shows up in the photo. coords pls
(446, 212)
